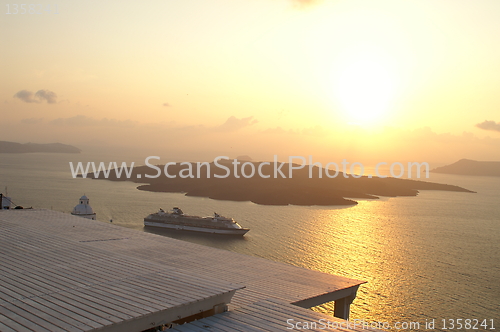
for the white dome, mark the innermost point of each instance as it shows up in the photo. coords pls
(83, 208)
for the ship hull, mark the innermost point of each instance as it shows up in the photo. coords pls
(227, 231)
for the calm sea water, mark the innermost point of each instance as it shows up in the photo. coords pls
(434, 256)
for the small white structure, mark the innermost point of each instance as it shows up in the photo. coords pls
(5, 202)
(83, 209)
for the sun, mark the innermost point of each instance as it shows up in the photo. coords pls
(364, 89)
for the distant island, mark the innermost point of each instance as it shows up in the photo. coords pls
(12, 147)
(298, 190)
(471, 167)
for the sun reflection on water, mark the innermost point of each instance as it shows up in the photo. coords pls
(357, 243)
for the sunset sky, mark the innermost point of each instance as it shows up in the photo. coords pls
(408, 80)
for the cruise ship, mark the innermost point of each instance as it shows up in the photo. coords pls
(178, 220)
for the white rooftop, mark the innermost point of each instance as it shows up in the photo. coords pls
(64, 273)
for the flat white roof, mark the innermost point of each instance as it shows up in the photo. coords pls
(66, 273)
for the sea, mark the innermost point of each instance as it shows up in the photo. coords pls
(430, 258)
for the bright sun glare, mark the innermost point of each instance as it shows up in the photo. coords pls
(364, 89)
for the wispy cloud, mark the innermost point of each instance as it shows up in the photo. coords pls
(85, 121)
(26, 96)
(277, 130)
(489, 125)
(233, 123)
(32, 120)
(41, 95)
(46, 95)
(311, 131)
(166, 104)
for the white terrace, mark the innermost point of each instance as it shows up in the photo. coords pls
(60, 272)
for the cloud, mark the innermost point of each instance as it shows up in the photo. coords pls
(280, 131)
(32, 120)
(312, 131)
(277, 130)
(41, 95)
(85, 121)
(233, 123)
(166, 104)
(47, 95)
(26, 96)
(489, 125)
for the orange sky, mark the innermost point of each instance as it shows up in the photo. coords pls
(351, 79)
